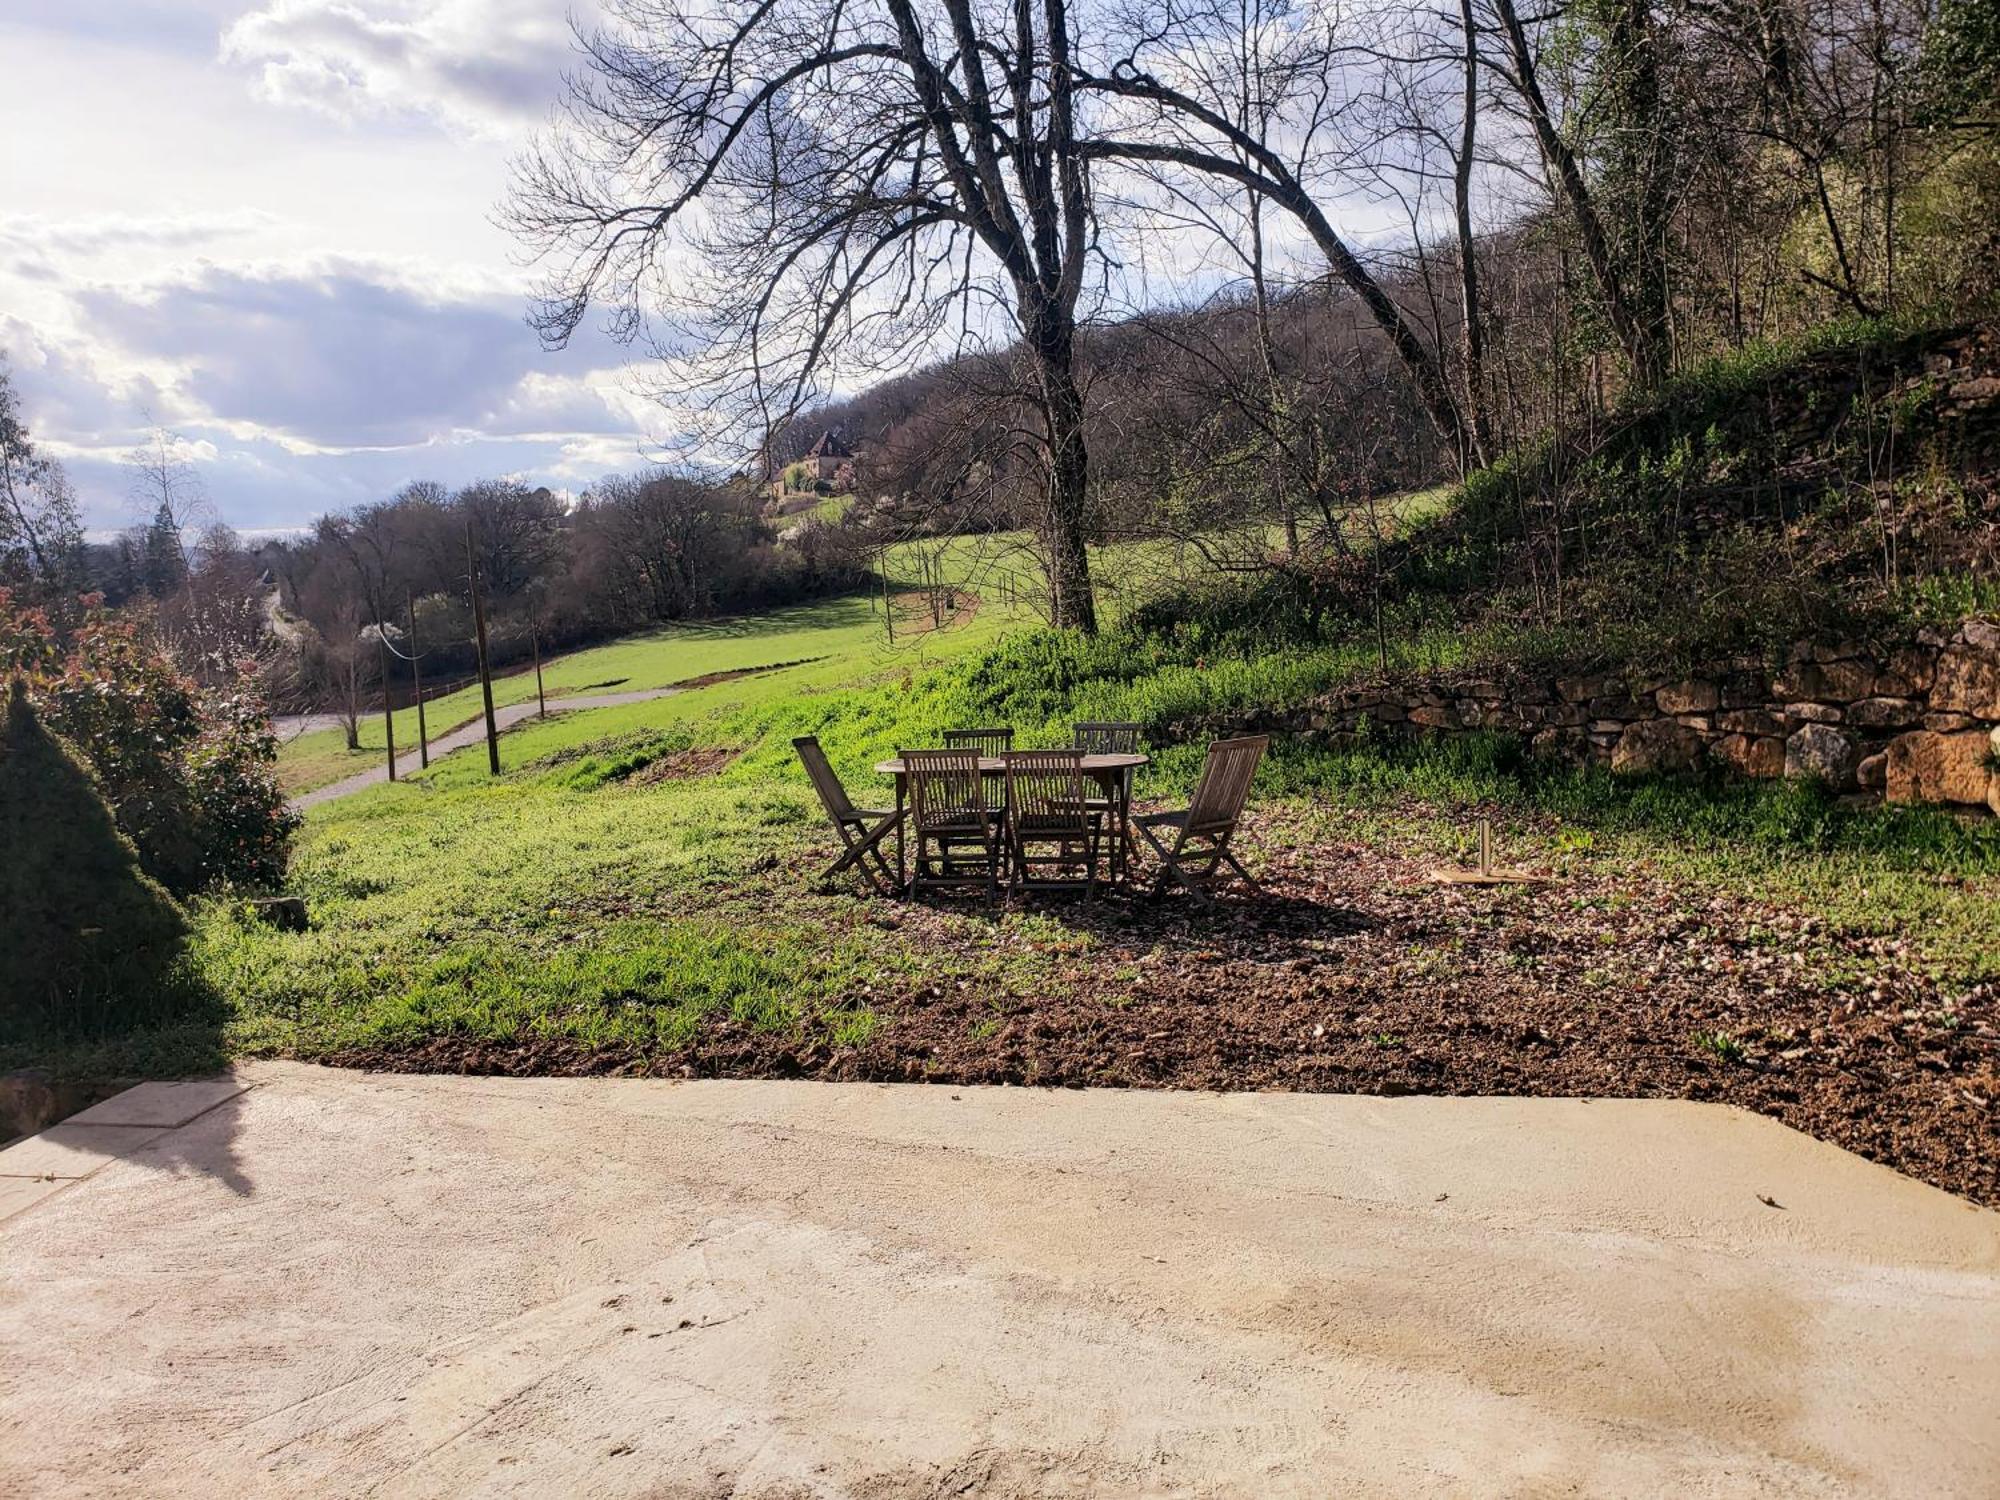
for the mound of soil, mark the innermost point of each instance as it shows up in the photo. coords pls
(685, 765)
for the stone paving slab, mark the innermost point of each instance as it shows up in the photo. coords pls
(19, 1194)
(73, 1150)
(163, 1105)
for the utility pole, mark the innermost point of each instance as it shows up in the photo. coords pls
(417, 681)
(888, 614)
(479, 635)
(388, 708)
(535, 645)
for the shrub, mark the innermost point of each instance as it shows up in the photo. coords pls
(92, 942)
(187, 773)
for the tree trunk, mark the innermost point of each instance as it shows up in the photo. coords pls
(1052, 344)
(1642, 350)
(1472, 334)
(1281, 490)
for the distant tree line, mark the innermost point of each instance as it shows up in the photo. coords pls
(376, 584)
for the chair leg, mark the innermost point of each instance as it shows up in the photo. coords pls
(1243, 874)
(862, 847)
(1166, 858)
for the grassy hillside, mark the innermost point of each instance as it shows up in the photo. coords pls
(830, 642)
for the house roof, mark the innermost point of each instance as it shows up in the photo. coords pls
(829, 446)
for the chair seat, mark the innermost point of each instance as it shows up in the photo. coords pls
(867, 815)
(955, 822)
(1162, 819)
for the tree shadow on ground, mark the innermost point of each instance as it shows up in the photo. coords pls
(1263, 926)
(99, 990)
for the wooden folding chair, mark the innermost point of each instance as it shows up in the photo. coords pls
(950, 820)
(1112, 737)
(1199, 856)
(861, 831)
(988, 742)
(1047, 808)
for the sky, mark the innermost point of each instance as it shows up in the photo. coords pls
(266, 226)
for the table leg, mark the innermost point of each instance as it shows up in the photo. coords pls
(1124, 825)
(902, 876)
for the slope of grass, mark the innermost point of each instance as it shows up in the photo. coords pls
(838, 640)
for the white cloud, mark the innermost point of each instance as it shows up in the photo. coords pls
(479, 67)
(345, 354)
(96, 234)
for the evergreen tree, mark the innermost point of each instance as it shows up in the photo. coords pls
(163, 557)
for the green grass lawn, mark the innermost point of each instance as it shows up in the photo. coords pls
(829, 641)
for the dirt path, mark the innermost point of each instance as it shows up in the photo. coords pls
(472, 733)
(341, 1284)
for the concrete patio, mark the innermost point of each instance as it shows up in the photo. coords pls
(303, 1281)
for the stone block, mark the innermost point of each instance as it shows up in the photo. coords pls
(1756, 755)
(1694, 696)
(1745, 688)
(1827, 682)
(1619, 706)
(1823, 753)
(1655, 745)
(19, 1194)
(1967, 681)
(1872, 771)
(166, 1105)
(1750, 721)
(73, 1150)
(1924, 766)
(1813, 713)
(1884, 713)
(1907, 673)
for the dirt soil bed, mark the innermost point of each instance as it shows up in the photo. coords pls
(1356, 974)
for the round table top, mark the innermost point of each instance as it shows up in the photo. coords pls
(994, 765)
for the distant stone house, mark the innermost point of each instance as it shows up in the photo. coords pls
(830, 457)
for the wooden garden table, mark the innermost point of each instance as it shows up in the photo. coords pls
(1112, 773)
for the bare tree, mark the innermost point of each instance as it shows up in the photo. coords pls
(807, 185)
(166, 492)
(1178, 66)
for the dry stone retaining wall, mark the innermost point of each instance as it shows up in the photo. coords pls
(1917, 722)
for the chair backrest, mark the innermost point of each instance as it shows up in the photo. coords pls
(1045, 790)
(1225, 784)
(946, 787)
(988, 742)
(831, 793)
(1107, 739)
